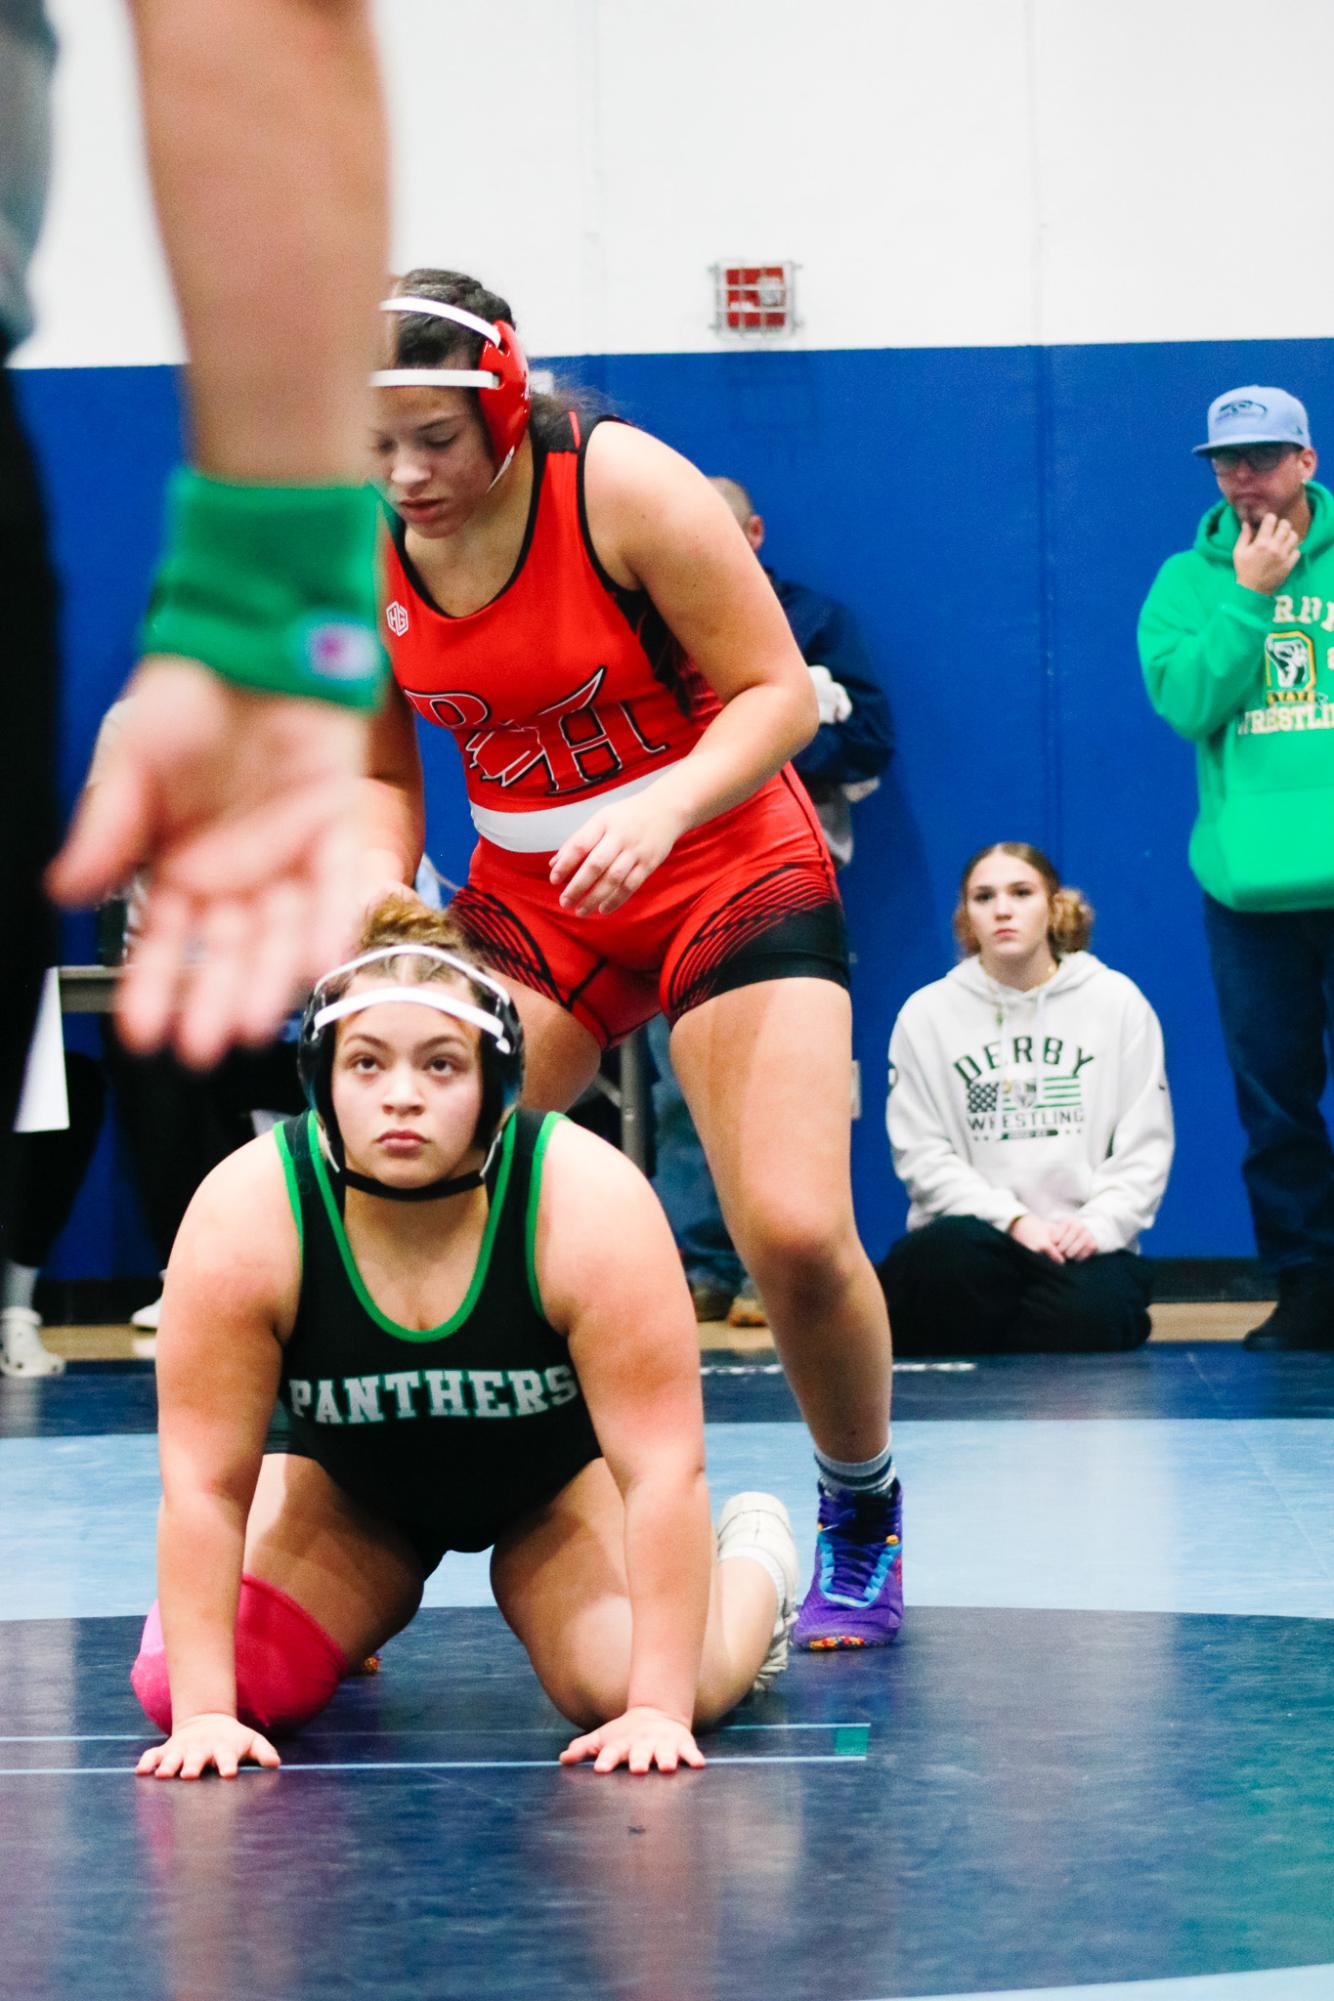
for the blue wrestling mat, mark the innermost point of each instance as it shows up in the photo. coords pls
(1097, 1764)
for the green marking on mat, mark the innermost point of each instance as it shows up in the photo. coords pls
(851, 1740)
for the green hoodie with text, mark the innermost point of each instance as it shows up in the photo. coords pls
(1249, 678)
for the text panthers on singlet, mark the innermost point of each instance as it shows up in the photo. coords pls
(409, 1393)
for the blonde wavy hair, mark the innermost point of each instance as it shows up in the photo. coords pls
(400, 918)
(1071, 923)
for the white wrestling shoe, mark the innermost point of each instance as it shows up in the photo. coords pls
(757, 1526)
(22, 1350)
(148, 1316)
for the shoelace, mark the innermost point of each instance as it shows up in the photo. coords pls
(857, 1545)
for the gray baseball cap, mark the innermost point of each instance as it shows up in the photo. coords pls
(1255, 416)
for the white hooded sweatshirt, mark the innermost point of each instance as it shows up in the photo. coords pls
(1052, 1103)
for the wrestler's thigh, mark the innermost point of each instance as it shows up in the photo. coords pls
(767, 1072)
(514, 923)
(561, 1056)
(559, 1578)
(358, 1576)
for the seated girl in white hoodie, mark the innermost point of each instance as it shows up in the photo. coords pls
(1031, 1125)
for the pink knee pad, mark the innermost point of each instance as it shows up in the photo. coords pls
(287, 1667)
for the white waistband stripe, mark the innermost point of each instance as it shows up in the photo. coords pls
(543, 831)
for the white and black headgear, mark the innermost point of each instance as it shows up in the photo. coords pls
(488, 1009)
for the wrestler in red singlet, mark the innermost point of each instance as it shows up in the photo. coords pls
(567, 691)
(578, 607)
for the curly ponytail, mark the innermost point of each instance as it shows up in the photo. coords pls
(1071, 921)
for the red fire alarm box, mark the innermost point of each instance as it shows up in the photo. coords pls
(755, 298)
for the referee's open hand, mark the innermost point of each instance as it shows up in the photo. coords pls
(239, 810)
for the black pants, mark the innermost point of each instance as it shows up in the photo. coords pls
(960, 1287)
(51, 1165)
(178, 1124)
(28, 706)
(1274, 975)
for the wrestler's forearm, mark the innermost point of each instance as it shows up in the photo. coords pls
(668, 1557)
(392, 832)
(266, 148)
(753, 737)
(201, 1541)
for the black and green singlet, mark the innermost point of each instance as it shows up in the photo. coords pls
(453, 1433)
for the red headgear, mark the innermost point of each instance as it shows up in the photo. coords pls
(501, 374)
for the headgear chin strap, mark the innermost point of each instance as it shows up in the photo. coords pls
(490, 1011)
(501, 374)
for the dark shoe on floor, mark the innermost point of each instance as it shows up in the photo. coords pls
(1304, 1315)
(709, 1299)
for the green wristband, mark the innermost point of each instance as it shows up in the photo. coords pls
(273, 587)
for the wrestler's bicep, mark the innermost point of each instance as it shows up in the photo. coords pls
(227, 1303)
(660, 526)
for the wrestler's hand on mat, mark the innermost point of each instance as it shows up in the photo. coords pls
(1074, 1239)
(639, 1740)
(613, 853)
(240, 807)
(211, 1739)
(1036, 1234)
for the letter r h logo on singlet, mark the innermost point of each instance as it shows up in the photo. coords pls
(573, 741)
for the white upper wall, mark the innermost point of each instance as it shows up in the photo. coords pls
(964, 173)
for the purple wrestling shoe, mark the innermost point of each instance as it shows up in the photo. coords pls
(856, 1594)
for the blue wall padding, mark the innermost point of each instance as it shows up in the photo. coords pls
(994, 516)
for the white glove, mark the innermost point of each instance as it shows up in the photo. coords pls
(834, 700)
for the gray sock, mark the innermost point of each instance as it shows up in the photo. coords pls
(858, 1478)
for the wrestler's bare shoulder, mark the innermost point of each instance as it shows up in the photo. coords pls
(600, 1228)
(240, 1225)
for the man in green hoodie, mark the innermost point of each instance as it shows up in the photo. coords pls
(1237, 644)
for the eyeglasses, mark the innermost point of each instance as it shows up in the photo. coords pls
(1260, 458)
